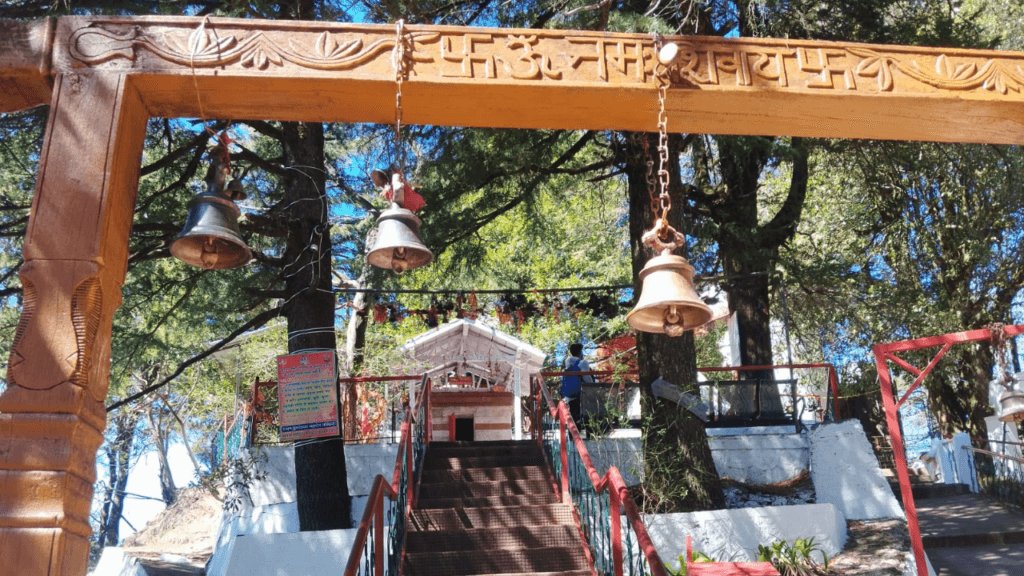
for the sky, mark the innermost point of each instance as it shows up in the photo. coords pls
(144, 480)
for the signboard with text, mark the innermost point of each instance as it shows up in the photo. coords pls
(307, 392)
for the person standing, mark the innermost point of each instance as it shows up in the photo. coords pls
(572, 386)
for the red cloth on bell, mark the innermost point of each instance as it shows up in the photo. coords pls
(413, 201)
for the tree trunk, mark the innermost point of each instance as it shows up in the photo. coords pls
(108, 492)
(679, 473)
(745, 259)
(168, 491)
(119, 453)
(975, 373)
(320, 473)
(355, 342)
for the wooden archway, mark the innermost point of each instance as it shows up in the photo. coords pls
(105, 77)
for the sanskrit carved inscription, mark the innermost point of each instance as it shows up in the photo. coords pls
(842, 68)
(488, 54)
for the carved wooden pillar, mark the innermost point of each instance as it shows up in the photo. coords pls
(76, 250)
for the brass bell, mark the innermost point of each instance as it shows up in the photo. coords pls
(668, 302)
(1011, 406)
(210, 238)
(397, 245)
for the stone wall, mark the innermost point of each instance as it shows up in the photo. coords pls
(363, 463)
(759, 455)
(734, 535)
(324, 552)
(623, 453)
(273, 510)
(765, 455)
(845, 472)
(489, 422)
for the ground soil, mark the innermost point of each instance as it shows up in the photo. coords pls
(187, 528)
(873, 548)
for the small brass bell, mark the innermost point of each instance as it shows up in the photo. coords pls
(1011, 406)
(668, 302)
(398, 246)
(210, 238)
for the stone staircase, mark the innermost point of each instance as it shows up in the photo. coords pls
(490, 508)
(923, 486)
(972, 535)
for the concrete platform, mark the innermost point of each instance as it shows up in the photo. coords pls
(946, 520)
(990, 560)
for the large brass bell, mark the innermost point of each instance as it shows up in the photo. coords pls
(1011, 406)
(398, 246)
(210, 238)
(668, 302)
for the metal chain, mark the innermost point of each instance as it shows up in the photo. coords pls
(651, 185)
(666, 200)
(401, 66)
(997, 330)
(662, 236)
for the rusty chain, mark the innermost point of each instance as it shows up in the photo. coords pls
(664, 198)
(651, 185)
(662, 236)
(401, 65)
(997, 331)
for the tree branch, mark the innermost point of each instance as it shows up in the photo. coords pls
(265, 128)
(199, 139)
(256, 322)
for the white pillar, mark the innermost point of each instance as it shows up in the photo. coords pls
(517, 405)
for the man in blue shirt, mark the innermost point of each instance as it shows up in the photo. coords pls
(572, 386)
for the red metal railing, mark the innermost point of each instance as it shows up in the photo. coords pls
(594, 495)
(833, 378)
(390, 502)
(886, 353)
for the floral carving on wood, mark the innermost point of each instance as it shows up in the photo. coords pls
(205, 48)
(965, 75)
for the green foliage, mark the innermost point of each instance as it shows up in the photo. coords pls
(698, 557)
(794, 559)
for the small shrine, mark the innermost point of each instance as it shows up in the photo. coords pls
(480, 375)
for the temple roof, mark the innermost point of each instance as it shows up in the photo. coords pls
(468, 346)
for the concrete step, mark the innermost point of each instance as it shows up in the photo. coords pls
(965, 540)
(529, 449)
(915, 474)
(466, 562)
(496, 461)
(485, 474)
(484, 489)
(487, 447)
(495, 517)
(924, 490)
(484, 443)
(990, 560)
(502, 538)
(564, 573)
(969, 520)
(487, 501)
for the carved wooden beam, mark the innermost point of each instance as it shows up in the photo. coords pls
(230, 68)
(25, 48)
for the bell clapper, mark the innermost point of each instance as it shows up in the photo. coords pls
(209, 255)
(673, 322)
